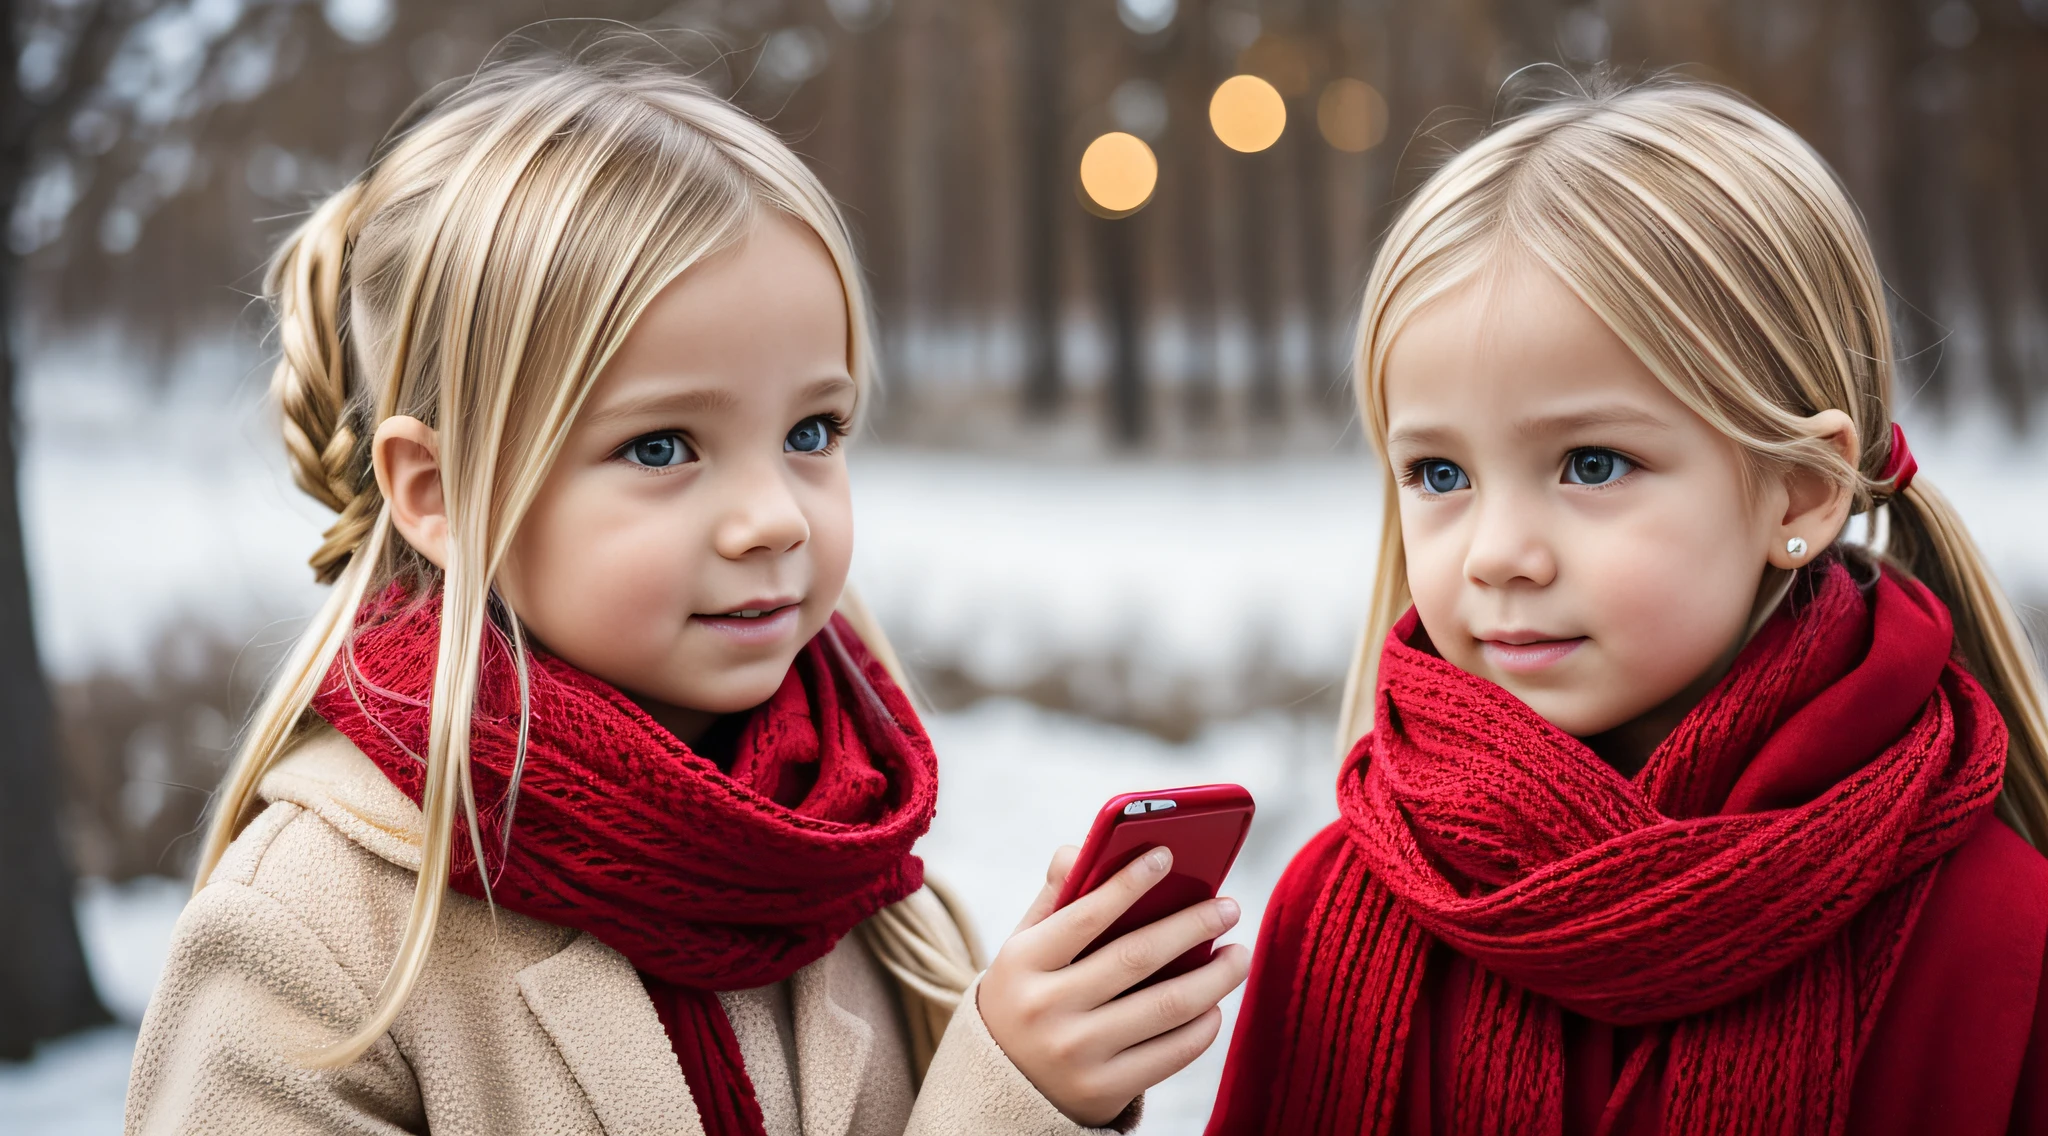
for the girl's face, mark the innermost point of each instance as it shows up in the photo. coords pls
(1573, 532)
(696, 529)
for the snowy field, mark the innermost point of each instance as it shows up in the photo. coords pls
(146, 509)
(75, 1086)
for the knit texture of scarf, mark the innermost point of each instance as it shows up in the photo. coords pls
(704, 879)
(1747, 895)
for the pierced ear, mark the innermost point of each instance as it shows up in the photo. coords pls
(406, 454)
(1815, 508)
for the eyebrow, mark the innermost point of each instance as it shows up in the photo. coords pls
(703, 401)
(829, 385)
(1538, 425)
(1580, 420)
(683, 402)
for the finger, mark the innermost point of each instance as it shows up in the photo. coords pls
(1148, 1063)
(1064, 933)
(1144, 1014)
(1055, 878)
(1118, 965)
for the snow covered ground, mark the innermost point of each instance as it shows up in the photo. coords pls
(75, 1086)
(147, 508)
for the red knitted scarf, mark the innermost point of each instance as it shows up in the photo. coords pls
(704, 879)
(1747, 895)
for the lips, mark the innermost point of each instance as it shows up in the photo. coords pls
(757, 607)
(754, 622)
(757, 612)
(1523, 652)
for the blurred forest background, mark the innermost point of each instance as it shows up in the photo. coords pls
(154, 151)
(175, 140)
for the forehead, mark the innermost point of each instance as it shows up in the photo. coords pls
(1510, 342)
(769, 310)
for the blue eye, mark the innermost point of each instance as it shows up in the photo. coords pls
(658, 451)
(812, 435)
(1439, 476)
(1595, 467)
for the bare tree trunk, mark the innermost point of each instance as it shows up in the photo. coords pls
(1188, 137)
(1128, 404)
(1997, 225)
(1915, 217)
(45, 988)
(1266, 394)
(1312, 184)
(1040, 110)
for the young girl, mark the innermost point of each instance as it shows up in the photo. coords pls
(1673, 812)
(574, 360)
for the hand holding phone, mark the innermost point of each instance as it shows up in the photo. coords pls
(1203, 825)
(1063, 998)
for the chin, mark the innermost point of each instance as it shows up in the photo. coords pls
(740, 694)
(1570, 715)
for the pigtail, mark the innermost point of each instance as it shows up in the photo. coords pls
(323, 423)
(1928, 540)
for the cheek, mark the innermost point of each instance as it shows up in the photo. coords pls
(608, 578)
(1650, 590)
(596, 578)
(1668, 590)
(1435, 560)
(829, 513)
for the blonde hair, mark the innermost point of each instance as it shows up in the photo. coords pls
(477, 277)
(1724, 252)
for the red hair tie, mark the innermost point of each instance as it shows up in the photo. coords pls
(1900, 467)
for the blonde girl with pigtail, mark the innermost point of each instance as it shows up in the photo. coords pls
(1670, 806)
(586, 802)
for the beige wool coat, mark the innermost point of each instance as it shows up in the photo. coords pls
(516, 1026)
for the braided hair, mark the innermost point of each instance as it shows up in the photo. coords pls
(326, 433)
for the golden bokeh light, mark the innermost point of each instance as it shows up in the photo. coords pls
(1351, 115)
(1247, 113)
(1118, 173)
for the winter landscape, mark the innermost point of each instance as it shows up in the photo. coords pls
(1118, 529)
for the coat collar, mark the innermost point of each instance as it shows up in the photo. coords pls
(832, 1045)
(327, 775)
(593, 1007)
(591, 1003)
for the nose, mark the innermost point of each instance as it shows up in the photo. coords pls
(760, 515)
(1510, 544)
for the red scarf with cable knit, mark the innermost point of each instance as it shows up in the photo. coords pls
(1747, 896)
(704, 878)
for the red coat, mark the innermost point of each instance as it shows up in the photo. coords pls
(1960, 1046)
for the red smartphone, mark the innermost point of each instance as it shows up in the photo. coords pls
(1204, 825)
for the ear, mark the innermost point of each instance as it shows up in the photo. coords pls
(407, 456)
(1815, 509)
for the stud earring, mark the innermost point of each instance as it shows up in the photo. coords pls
(1796, 547)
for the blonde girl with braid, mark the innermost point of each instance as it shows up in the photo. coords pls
(586, 801)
